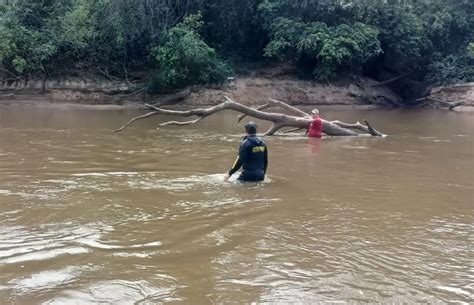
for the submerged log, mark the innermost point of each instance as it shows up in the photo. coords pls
(299, 120)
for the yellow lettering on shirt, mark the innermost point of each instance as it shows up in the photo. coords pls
(258, 149)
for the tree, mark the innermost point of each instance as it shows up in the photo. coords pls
(234, 27)
(299, 119)
(185, 59)
(453, 68)
(329, 49)
(36, 33)
(128, 39)
(401, 33)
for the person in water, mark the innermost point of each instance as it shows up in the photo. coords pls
(253, 157)
(316, 128)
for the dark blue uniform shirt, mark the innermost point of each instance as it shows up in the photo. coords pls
(253, 158)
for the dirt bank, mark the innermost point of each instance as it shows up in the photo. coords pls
(250, 90)
(257, 90)
(458, 93)
(67, 91)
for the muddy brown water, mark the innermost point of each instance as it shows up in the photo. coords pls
(88, 216)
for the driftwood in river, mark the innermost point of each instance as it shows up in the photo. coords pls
(299, 119)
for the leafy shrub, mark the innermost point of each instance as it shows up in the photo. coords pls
(337, 48)
(185, 59)
(401, 33)
(453, 68)
(33, 34)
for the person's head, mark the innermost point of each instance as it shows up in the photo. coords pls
(315, 112)
(251, 128)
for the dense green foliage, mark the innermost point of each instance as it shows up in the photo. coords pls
(185, 59)
(453, 67)
(182, 42)
(325, 49)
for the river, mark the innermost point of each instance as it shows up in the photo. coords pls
(89, 216)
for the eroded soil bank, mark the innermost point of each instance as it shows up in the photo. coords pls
(250, 90)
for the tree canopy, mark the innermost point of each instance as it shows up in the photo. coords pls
(178, 43)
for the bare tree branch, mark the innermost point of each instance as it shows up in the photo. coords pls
(391, 80)
(261, 107)
(368, 129)
(279, 120)
(149, 114)
(138, 91)
(292, 109)
(105, 72)
(280, 104)
(293, 130)
(179, 123)
(274, 128)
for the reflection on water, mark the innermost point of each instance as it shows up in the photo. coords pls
(93, 217)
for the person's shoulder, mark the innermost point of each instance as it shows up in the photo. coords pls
(245, 142)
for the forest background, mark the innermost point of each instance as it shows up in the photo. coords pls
(170, 45)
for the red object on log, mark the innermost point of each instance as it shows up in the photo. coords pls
(316, 128)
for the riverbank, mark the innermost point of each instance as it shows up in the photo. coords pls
(250, 90)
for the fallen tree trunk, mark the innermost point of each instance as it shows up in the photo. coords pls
(391, 80)
(430, 101)
(300, 120)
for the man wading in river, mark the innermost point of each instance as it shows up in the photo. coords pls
(253, 157)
